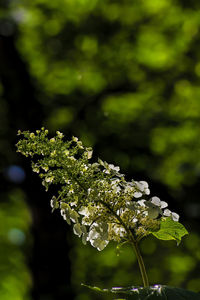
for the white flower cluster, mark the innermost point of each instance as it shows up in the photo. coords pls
(98, 231)
(140, 188)
(155, 208)
(89, 221)
(94, 197)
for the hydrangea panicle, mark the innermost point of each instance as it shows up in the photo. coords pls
(93, 197)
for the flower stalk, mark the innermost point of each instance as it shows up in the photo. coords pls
(141, 263)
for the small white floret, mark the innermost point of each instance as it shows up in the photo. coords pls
(147, 191)
(144, 183)
(175, 217)
(156, 201)
(137, 194)
(167, 213)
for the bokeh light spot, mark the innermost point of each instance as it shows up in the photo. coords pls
(16, 236)
(15, 174)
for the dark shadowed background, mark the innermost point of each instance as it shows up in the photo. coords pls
(124, 77)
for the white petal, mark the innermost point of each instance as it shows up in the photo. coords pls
(112, 167)
(167, 213)
(140, 186)
(137, 194)
(156, 201)
(141, 202)
(62, 212)
(175, 217)
(134, 220)
(163, 204)
(89, 154)
(122, 231)
(144, 183)
(147, 191)
(93, 234)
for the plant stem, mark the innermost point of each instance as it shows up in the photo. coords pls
(141, 263)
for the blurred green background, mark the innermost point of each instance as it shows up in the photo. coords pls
(123, 76)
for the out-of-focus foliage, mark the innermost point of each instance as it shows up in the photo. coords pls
(15, 280)
(124, 77)
(139, 59)
(15, 219)
(4, 144)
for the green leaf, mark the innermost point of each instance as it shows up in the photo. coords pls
(170, 230)
(156, 292)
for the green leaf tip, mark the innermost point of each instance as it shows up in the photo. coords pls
(95, 288)
(170, 230)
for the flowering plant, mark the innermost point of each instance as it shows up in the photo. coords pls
(95, 198)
